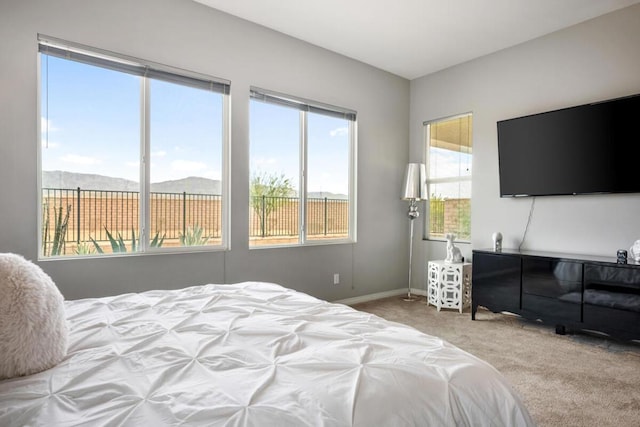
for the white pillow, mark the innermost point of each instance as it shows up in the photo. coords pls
(33, 328)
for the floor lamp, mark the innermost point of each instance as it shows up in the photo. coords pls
(414, 189)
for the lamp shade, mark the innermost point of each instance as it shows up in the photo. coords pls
(415, 179)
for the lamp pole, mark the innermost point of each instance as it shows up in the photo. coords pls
(413, 189)
(413, 214)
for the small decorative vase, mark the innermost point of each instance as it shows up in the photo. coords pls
(634, 251)
(497, 241)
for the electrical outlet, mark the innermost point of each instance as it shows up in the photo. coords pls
(336, 279)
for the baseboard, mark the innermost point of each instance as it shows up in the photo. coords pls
(380, 295)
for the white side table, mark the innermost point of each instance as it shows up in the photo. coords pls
(449, 285)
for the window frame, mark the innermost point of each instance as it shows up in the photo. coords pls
(306, 106)
(429, 181)
(151, 70)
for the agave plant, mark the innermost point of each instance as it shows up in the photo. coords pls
(193, 236)
(59, 234)
(157, 241)
(119, 246)
(85, 249)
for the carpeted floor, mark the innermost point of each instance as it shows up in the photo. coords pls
(570, 380)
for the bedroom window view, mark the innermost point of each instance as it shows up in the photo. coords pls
(131, 156)
(293, 142)
(449, 159)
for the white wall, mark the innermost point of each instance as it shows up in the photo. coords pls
(593, 61)
(188, 35)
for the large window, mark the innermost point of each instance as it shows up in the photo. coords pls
(302, 168)
(132, 154)
(449, 155)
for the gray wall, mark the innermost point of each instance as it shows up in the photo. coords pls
(593, 61)
(189, 35)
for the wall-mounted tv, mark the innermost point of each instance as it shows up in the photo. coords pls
(593, 148)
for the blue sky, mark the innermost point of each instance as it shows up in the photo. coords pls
(91, 124)
(275, 135)
(449, 164)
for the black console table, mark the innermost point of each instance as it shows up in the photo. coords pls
(571, 291)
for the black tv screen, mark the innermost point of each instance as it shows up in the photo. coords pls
(593, 148)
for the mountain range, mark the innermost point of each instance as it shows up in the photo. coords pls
(86, 181)
(192, 184)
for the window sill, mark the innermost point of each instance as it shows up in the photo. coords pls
(305, 245)
(464, 242)
(185, 250)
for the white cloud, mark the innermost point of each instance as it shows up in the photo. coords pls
(46, 125)
(132, 164)
(341, 131)
(211, 174)
(187, 166)
(80, 160)
(50, 144)
(264, 161)
(160, 153)
(328, 182)
(447, 164)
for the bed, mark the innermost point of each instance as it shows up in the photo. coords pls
(253, 354)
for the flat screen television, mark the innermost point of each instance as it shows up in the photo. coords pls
(587, 149)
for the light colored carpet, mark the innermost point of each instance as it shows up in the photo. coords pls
(570, 380)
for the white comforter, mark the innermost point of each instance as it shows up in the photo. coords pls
(253, 354)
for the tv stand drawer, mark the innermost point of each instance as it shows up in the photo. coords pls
(552, 309)
(550, 277)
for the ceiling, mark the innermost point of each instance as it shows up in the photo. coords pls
(413, 38)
